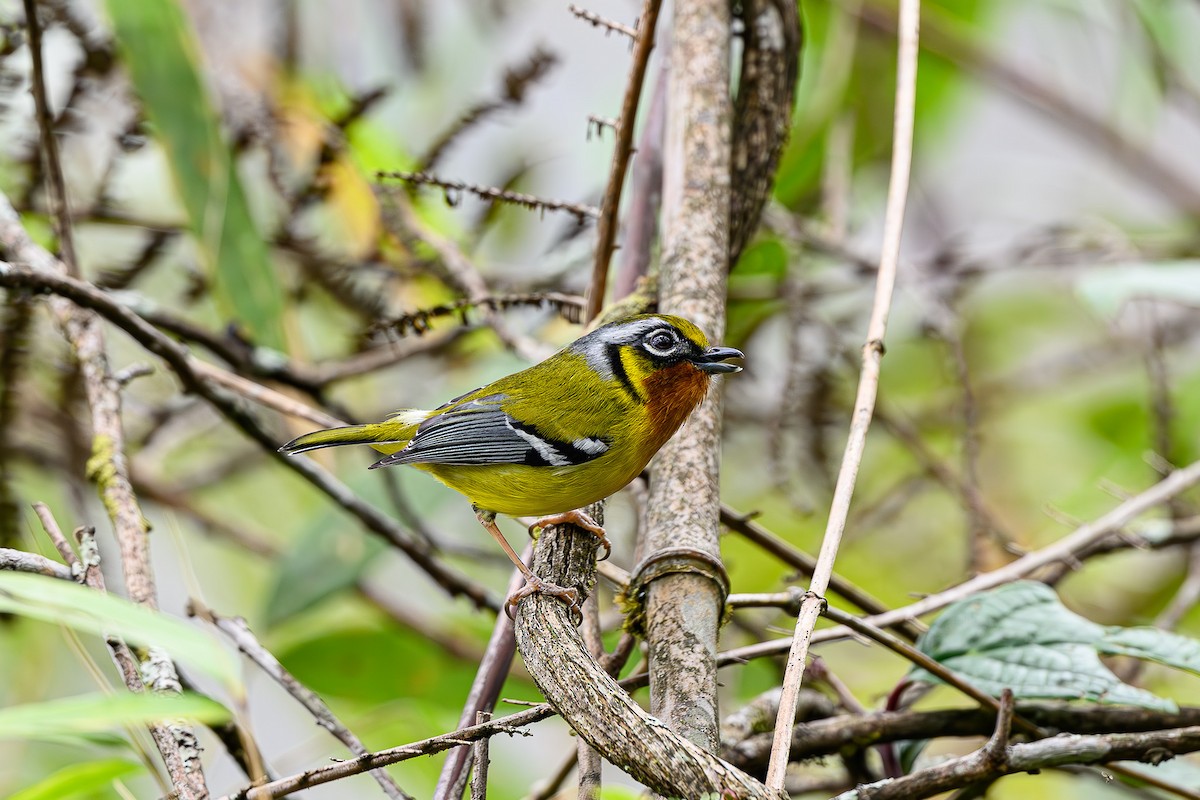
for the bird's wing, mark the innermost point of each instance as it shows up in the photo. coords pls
(479, 432)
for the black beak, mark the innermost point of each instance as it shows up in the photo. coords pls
(715, 359)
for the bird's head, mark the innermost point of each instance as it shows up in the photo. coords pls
(633, 349)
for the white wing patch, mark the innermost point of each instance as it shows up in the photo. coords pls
(411, 416)
(590, 445)
(544, 449)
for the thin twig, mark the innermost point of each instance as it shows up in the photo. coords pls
(587, 757)
(606, 229)
(906, 81)
(454, 189)
(804, 563)
(828, 735)
(645, 194)
(603, 22)
(56, 187)
(1080, 540)
(180, 361)
(490, 675)
(107, 465)
(517, 82)
(394, 755)
(464, 274)
(21, 561)
(240, 634)
(50, 526)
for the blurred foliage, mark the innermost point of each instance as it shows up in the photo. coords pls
(1042, 345)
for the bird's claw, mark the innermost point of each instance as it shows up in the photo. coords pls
(569, 596)
(580, 520)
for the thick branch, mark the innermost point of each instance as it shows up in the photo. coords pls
(21, 561)
(593, 704)
(685, 587)
(987, 764)
(822, 737)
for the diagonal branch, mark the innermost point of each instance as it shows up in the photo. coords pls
(183, 364)
(593, 704)
(606, 232)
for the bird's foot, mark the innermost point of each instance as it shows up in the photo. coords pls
(579, 519)
(535, 585)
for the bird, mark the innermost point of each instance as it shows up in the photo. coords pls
(555, 437)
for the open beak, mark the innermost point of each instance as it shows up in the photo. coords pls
(716, 359)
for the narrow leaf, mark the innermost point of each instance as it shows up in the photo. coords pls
(78, 780)
(100, 712)
(64, 603)
(163, 61)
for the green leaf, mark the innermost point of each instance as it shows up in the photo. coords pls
(1016, 614)
(361, 664)
(78, 780)
(767, 257)
(608, 792)
(1153, 644)
(100, 712)
(1063, 671)
(163, 61)
(327, 557)
(64, 603)
(1108, 289)
(1021, 637)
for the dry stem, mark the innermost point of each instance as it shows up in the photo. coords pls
(906, 82)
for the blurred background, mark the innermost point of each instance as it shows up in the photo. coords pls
(1041, 358)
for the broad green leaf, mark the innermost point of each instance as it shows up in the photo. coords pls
(101, 712)
(1107, 289)
(1020, 613)
(78, 780)
(163, 61)
(327, 557)
(1062, 671)
(1021, 637)
(365, 664)
(766, 257)
(64, 603)
(1153, 644)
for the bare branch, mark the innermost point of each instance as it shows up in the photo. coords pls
(864, 404)
(454, 190)
(598, 21)
(240, 634)
(606, 229)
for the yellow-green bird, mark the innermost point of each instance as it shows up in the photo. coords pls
(557, 436)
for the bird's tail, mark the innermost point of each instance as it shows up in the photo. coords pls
(387, 437)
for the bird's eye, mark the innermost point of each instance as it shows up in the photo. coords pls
(660, 343)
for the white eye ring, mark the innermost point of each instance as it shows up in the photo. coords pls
(658, 334)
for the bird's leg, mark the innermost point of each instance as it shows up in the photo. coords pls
(533, 584)
(579, 519)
